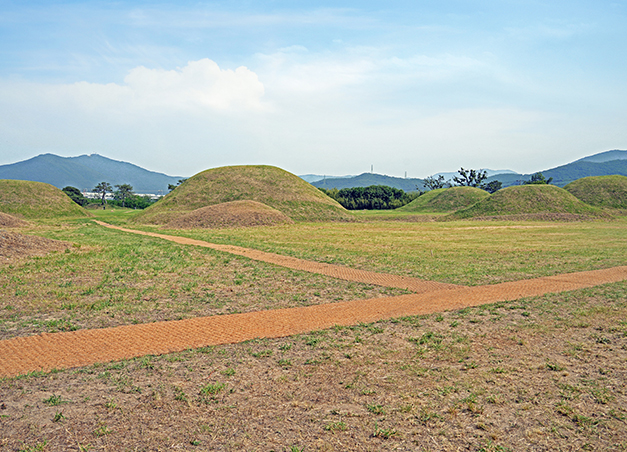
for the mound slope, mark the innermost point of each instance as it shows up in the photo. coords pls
(14, 246)
(9, 221)
(231, 214)
(446, 200)
(268, 185)
(26, 199)
(530, 202)
(601, 191)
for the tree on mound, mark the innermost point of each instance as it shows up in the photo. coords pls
(268, 185)
(601, 191)
(26, 199)
(75, 195)
(445, 200)
(231, 215)
(538, 179)
(470, 178)
(535, 201)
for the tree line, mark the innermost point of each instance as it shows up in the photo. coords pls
(123, 196)
(382, 197)
(374, 197)
(476, 178)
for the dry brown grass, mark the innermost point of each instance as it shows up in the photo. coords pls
(542, 374)
(231, 215)
(9, 221)
(539, 374)
(14, 246)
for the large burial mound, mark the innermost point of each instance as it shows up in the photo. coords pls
(542, 202)
(231, 214)
(26, 199)
(14, 246)
(268, 185)
(445, 200)
(9, 221)
(601, 191)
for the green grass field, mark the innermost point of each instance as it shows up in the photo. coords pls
(468, 253)
(544, 373)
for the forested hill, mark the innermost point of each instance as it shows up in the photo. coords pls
(563, 175)
(602, 164)
(368, 179)
(85, 171)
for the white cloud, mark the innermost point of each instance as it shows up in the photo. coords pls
(295, 70)
(199, 84)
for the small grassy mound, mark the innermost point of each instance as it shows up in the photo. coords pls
(601, 191)
(268, 185)
(231, 214)
(26, 199)
(9, 221)
(445, 200)
(546, 202)
(14, 246)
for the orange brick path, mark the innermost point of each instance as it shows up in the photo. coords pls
(84, 347)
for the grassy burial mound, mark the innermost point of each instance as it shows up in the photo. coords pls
(543, 202)
(231, 214)
(26, 199)
(268, 185)
(445, 200)
(9, 221)
(601, 191)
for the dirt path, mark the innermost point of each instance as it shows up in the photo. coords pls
(84, 347)
(335, 271)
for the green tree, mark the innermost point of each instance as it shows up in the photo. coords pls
(433, 183)
(172, 187)
(470, 178)
(103, 188)
(75, 195)
(124, 190)
(492, 186)
(374, 197)
(538, 179)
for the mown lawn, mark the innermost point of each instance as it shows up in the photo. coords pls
(469, 253)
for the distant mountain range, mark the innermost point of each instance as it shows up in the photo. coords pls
(86, 171)
(367, 179)
(602, 164)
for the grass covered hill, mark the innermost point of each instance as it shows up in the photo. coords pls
(268, 185)
(445, 200)
(601, 191)
(31, 200)
(536, 201)
(231, 214)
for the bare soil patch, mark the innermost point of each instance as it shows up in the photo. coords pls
(231, 215)
(15, 246)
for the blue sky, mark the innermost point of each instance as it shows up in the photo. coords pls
(315, 87)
